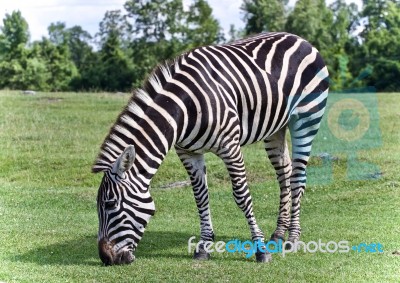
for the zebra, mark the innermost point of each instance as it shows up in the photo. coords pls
(216, 99)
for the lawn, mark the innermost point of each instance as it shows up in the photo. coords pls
(48, 216)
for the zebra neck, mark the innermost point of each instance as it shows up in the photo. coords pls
(146, 126)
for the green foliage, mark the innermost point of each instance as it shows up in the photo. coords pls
(57, 59)
(328, 29)
(201, 27)
(312, 20)
(156, 20)
(361, 47)
(79, 46)
(45, 65)
(340, 75)
(17, 70)
(114, 24)
(163, 29)
(57, 33)
(235, 34)
(15, 32)
(114, 68)
(381, 43)
(264, 15)
(344, 19)
(158, 27)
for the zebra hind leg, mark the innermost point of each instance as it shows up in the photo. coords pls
(233, 159)
(278, 154)
(195, 166)
(303, 129)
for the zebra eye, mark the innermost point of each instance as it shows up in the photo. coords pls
(110, 204)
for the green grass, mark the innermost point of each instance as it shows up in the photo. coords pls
(48, 217)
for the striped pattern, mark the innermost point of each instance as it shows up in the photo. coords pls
(216, 99)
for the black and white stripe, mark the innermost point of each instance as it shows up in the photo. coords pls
(213, 99)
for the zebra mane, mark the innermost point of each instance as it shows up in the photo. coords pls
(113, 145)
(160, 74)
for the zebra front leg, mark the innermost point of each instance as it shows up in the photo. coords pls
(278, 154)
(195, 166)
(233, 159)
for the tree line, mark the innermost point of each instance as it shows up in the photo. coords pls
(361, 45)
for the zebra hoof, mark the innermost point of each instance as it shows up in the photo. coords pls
(201, 255)
(289, 243)
(275, 238)
(263, 257)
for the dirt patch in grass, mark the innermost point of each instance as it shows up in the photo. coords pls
(49, 99)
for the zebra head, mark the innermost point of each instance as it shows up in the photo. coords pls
(124, 208)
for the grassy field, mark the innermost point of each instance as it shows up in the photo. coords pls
(48, 217)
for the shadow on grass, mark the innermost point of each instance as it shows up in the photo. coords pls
(174, 245)
(83, 250)
(163, 244)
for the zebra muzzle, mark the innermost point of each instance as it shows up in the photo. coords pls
(109, 257)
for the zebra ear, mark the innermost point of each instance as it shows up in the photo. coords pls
(125, 161)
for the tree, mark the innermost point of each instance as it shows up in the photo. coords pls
(75, 43)
(235, 34)
(264, 15)
(115, 68)
(25, 71)
(312, 20)
(163, 29)
(84, 58)
(202, 27)
(57, 55)
(381, 43)
(79, 46)
(57, 59)
(15, 32)
(19, 66)
(114, 24)
(58, 33)
(374, 12)
(76, 39)
(158, 29)
(156, 20)
(344, 20)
